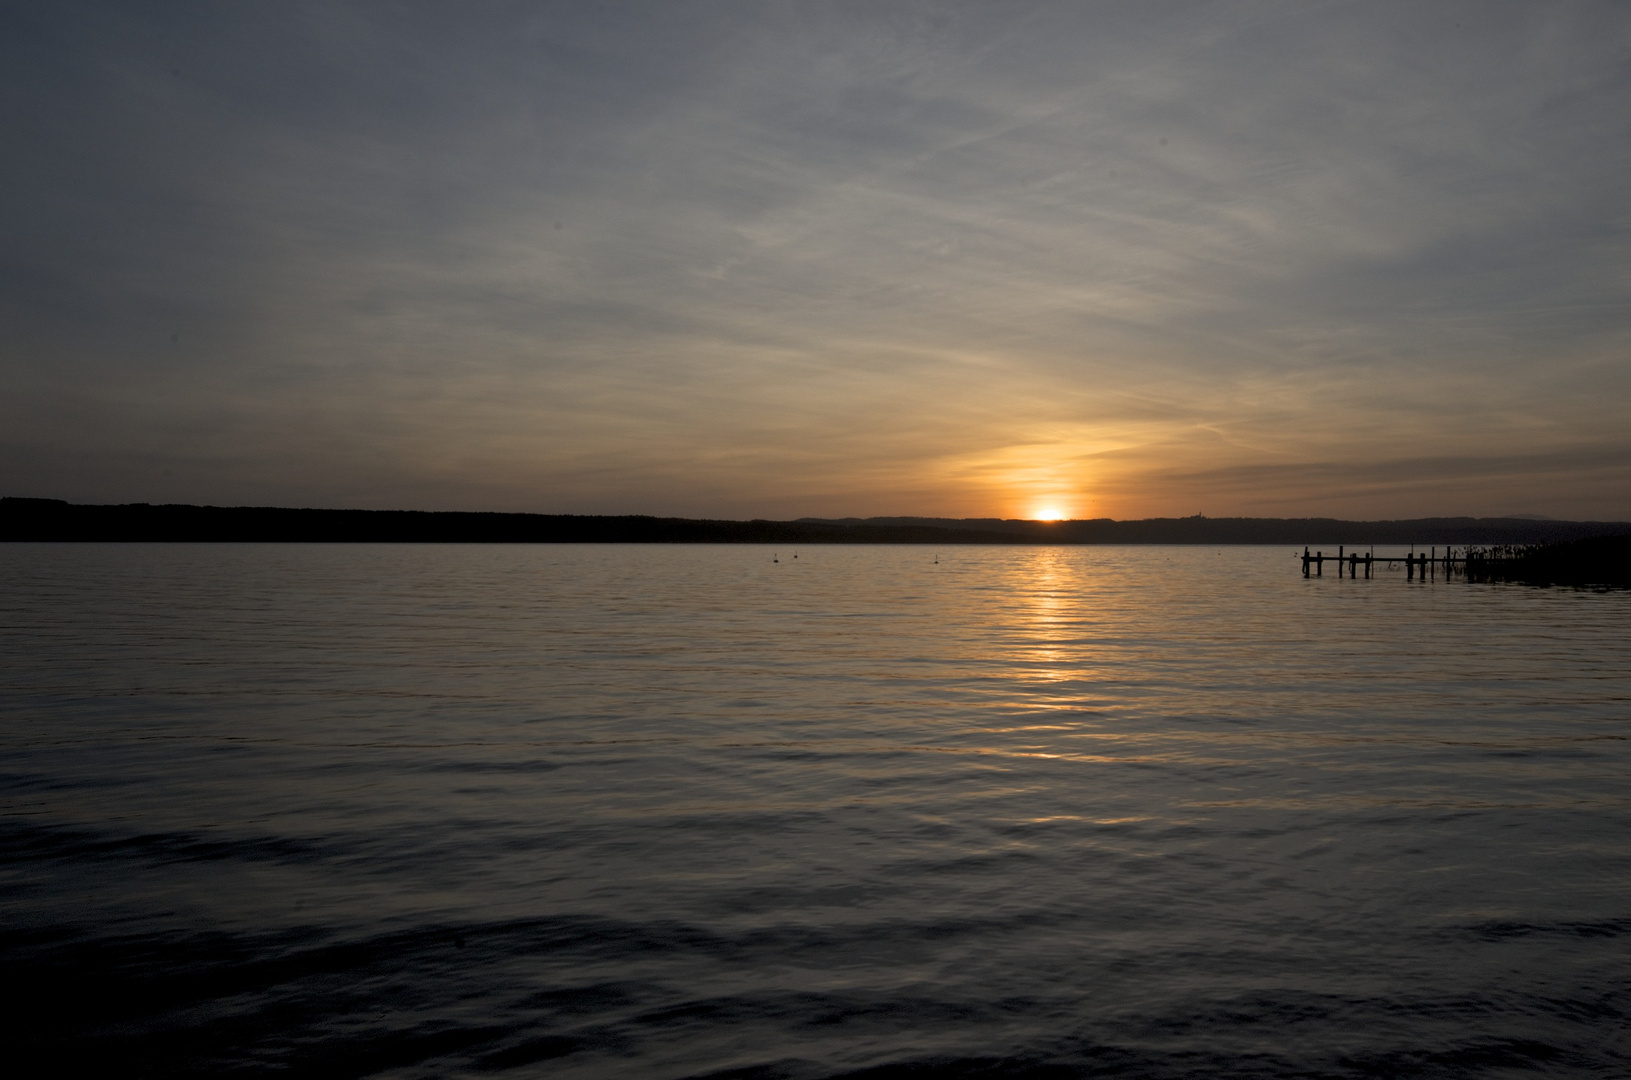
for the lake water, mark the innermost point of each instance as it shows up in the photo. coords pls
(673, 811)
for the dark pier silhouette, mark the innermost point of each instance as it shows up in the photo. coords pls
(1604, 560)
(1423, 565)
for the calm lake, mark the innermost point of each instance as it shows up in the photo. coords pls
(684, 811)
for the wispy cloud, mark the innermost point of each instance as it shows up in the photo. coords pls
(788, 259)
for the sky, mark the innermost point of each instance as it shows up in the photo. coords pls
(783, 259)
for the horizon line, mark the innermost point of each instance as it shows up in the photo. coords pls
(818, 519)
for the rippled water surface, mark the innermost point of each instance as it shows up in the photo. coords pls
(672, 811)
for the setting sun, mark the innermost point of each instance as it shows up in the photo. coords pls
(1049, 513)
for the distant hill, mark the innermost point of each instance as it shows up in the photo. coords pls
(54, 519)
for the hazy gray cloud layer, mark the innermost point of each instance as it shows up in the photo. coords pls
(797, 258)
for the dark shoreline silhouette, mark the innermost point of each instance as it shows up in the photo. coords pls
(54, 519)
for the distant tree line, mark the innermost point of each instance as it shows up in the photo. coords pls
(54, 519)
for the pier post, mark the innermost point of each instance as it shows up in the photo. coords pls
(1339, 560)
(1305, 560)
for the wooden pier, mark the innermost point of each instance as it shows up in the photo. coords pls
(1425, 565)
(1599, 561)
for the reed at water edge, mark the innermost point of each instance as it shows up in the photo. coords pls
(1594, 561)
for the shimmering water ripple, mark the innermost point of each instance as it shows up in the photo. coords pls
(685, 811)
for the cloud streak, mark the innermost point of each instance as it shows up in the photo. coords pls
(818, 259)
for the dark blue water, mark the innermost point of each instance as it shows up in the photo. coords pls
(685, 811)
